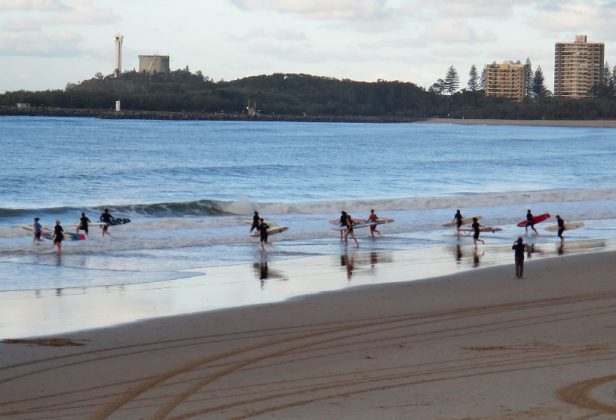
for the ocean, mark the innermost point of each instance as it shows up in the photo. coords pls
(190, 186)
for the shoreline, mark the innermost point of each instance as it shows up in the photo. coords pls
(44, 312)
(479, 343)
(199, 116)
(529, 123)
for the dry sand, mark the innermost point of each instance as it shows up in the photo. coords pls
(476, 345)
(544, 123)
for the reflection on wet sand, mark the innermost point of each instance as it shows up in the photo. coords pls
(263, 272)
(357, 261)
(581, 245)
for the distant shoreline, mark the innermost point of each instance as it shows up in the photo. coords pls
(207, 116)
(532, 123)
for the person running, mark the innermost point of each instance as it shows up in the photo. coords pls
(458, 219)
(263, 227)
(372, 219)
(476, 229)
(343, 224)
(58, 236)
(83, 223)
(38, 229)
(519, 247)
(349, 231)
(106, 219)
(561, 228)
(256, 221)
(529, 222)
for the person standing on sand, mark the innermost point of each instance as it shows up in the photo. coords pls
(476, 229)
(58, 236)
(256, 221)
(349, 231)
(106, 219)
(529, 222)
(519, 247)
(372, 219)
(83, 223)
(561, 229)
(38, 229)
(458, 219)
(263, 227)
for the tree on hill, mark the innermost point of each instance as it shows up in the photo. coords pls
(528, 78)
(452, 81)
(483, 78)
(539, 88)
(473, 79)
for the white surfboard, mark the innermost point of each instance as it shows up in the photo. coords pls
(568, 226)
(465, 221)
(271, 231)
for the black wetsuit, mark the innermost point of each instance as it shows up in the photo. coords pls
(83, 224)
(561, 227)
(255, 222)
(263, 227)
(58, 234)
(519, 258)
(458, 217)
(476, 227)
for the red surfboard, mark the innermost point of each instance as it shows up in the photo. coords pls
(536, 219)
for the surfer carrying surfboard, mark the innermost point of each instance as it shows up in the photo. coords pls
(458, 219)
(476, 229)
(83, 223)
(343, 224)
(530, 222)
(561, 228)
(256, 221)
(263, 234)
(106, 219)
(373, 218)
(58, 236)
(349, 231)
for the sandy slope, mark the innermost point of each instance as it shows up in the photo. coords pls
(481, 345)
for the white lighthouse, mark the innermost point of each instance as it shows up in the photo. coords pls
(118, 41)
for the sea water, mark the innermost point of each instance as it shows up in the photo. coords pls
(190, 186)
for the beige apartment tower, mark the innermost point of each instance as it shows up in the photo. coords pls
(151, 64)
(578, 67)
(505, 80)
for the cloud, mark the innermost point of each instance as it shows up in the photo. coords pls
(31, 5)
(578, 17)
(80, 12)
(454, 31)
(58, 44)
(322, 9)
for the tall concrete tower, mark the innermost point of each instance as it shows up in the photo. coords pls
(118, 41)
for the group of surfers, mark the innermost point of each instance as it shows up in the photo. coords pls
(58, 230)
(519, 247)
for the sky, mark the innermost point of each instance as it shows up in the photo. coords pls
(46, 44)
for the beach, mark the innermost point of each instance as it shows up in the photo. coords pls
(477, 344)
(530, 123)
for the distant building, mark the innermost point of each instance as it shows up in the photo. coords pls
(505, 80)
(151, 64)
(578, 67)
(22, 105)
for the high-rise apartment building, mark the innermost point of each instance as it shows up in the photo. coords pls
(505, 80)
(578, 67)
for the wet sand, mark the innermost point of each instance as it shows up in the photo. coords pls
(534, 123)
(477, 344)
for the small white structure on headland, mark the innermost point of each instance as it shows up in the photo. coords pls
(118, 106)
(119, 38)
